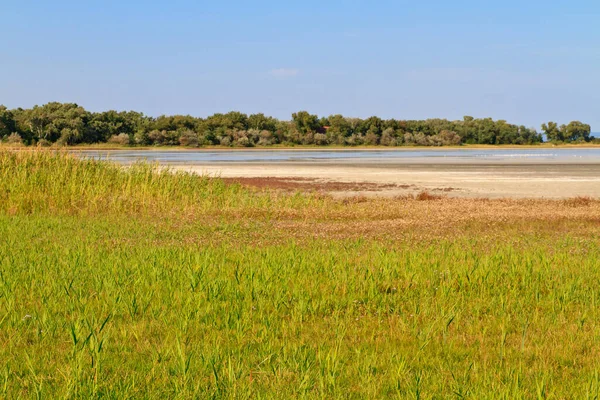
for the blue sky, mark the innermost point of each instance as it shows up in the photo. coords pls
(525, 61)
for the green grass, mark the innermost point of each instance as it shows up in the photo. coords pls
(140, 284)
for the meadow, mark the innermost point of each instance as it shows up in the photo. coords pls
(140, 282)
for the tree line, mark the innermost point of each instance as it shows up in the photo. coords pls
(71, 124)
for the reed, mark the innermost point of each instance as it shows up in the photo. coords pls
(144, 283)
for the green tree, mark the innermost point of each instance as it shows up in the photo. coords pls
(506, 133)
(7, 122)
(68, 123)
(306, 122)
(553, 133)
(104, 125)
(486, 131)
(372, 125)
(236, 120)
(55, 120)
(576, 131)
(467, 129)
(339, 129)
(260, 122)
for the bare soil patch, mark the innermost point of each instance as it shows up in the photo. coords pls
(293, 184)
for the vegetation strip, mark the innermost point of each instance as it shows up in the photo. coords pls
(70, 124)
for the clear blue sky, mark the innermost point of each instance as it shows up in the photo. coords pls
(526, 61)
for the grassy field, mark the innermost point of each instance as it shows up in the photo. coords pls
(140, 283)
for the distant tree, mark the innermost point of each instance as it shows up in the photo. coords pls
(105, 125)
(55, 120)
(391, 123)
(371, 139)
(283, 130)
(486, 131)
(236, 120)
(164, 138)
(373, 125)
(68, 123)
(388, 137)
(261, 123)
(467, 130)
(7, 122)
(506, 133)
(142, 137)
(122, 139)
(576, 131)
(320, 139)
(339, 129)
(448, 138)
(306, 123)
(174, 123)
(324, 121)
(70, 136)
(553, 133)
(266, 138)
(189, 138)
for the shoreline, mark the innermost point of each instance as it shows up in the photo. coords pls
(307, 148)
(468, 177)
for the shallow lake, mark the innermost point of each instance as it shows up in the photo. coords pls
(449, 156)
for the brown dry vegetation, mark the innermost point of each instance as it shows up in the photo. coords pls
(293, 184)
(327, 186)
(429, 216)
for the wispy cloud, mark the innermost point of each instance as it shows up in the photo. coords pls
(283, 73)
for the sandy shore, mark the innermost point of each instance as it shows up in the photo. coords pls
(528, 180)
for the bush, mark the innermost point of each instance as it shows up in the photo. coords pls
(14, 139)
(253, 136)
(189, 139)
(164, 138)
(157, 137)
(426, 196)
(122, 139)
(44, 143)
(266, 138)
(421, 139)
(308, 138)
(68, 137)
(354, 140)
(142, 137)
(388, 137)
(243, 141)
(449, 138)
(321, 139)
(371, 139)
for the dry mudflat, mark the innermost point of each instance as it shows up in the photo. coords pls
(491, 180)
(468, 173)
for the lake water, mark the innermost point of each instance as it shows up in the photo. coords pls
(449, 156)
